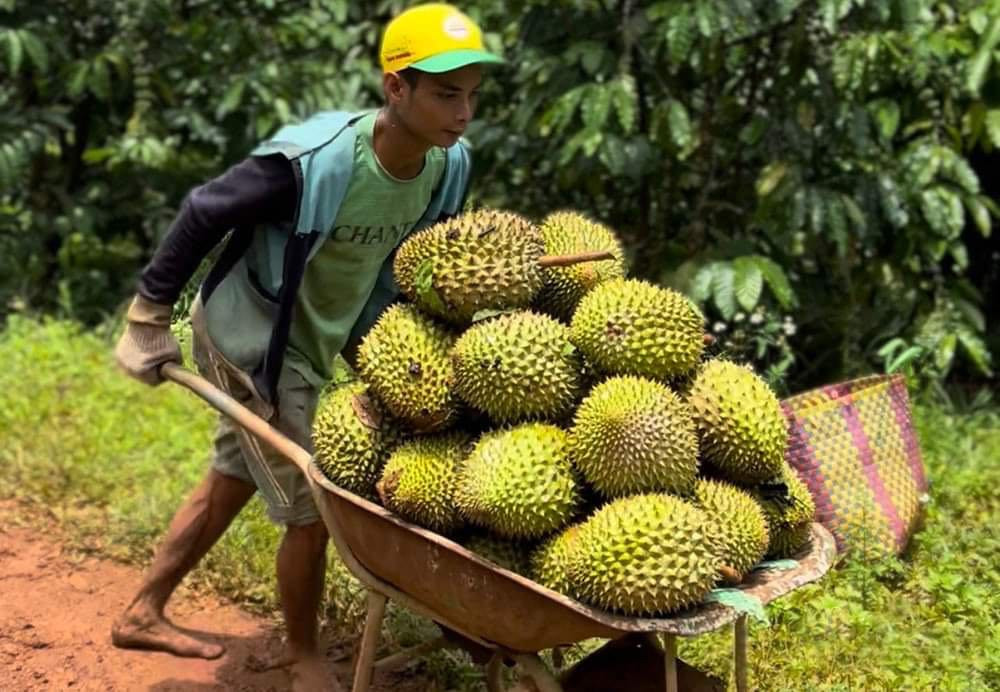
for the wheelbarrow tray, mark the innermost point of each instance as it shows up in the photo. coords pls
(494, 607)
(476, 597)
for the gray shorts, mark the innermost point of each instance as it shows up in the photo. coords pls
(238, 454)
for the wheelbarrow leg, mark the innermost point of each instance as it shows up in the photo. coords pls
(670, 661)
(494, 674)
(533, 667)
(740, 652)
(369, 641)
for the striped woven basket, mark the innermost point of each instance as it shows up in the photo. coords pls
(855, 447)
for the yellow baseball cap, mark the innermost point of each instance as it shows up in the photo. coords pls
(433, 38)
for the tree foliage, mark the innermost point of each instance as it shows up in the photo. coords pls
(801, 168)
(804, 159)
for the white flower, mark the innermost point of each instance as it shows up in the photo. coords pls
(739, 317)
(719, 327)
(788, 328)
(756, 318)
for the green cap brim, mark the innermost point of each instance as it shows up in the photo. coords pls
(454, 59)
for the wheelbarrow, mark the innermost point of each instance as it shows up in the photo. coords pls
(494, 609)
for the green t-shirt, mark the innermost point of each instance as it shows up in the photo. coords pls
(377, 212)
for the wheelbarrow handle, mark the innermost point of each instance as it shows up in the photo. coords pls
(243, 416)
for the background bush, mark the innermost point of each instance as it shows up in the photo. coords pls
(813, 172)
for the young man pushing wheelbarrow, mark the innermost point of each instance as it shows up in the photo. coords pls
(315, 215)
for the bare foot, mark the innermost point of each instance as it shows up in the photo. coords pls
(314, 675)
(159, 634)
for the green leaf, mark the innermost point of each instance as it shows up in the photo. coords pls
(97, 155)
(701, 284)
(993, 126)
(681, 35)
(978, 20)
(723, 290)
(942, 209)
(960, 254)
(624, 97)
(748, 282)
(282, 110)
(958, 169)
(231, 99)
(706, 18)
(769, 178)
(35, 49)
(99, 81)
(981, 60)
(78, 79)
(424, 284)
(560, 114)
(971, 313)
(680, 124)
(854, 213)
(892, 203)
(979, 213)
(591, 55)
(903, 359)
(887, 115)
(754, 130)
(740, 601)
(612, 156)
(944, 352)
(596, 106)
(975, 348)
(776, 280)
(15, 50)
(836, 223)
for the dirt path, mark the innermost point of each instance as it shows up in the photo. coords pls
(56, 609)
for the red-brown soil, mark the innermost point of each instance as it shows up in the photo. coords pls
(56, 610)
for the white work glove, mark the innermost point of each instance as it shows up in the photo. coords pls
(147, 342)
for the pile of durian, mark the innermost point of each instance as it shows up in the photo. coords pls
(563, 420)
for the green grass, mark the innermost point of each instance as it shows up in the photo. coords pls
(111, 459)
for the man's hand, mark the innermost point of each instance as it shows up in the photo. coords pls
(147, 342)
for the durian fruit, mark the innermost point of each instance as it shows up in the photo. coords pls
(633, 435)
(645, 555)
(742, 429)
(631, 327)
(405, 357)
(518, 366)
(512, 555)
(567, 233)
(740, 521)
(518, 482)
(480, 260)
(550, 561)
(789, 508)
(419, 479)
(352, 438)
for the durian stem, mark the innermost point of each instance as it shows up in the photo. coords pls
(730, 575)
(575, 258)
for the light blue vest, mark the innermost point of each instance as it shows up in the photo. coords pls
(249, 295)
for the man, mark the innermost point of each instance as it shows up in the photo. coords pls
(315, 214)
